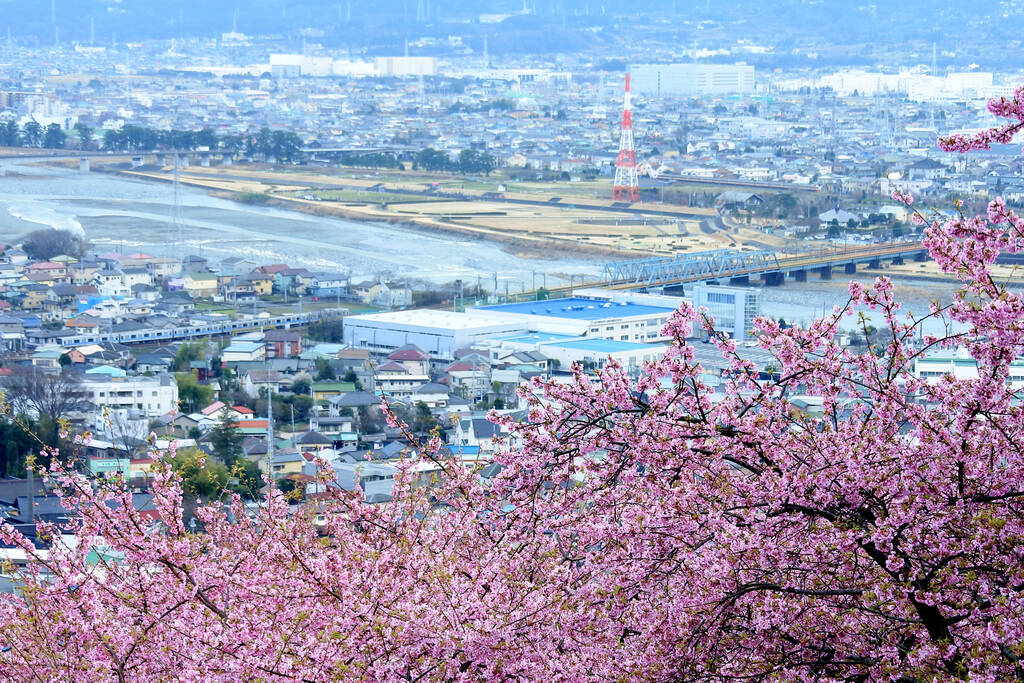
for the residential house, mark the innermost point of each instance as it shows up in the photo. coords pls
(12, 333)
(324, 391)
(313, 442)
(326, 285)
(195, 264)
(257, 381)
(282, 343)
(287, 462)
(254, 284)
(178, 426)
(163, 267)
(33, 297)
(293, 281)
(432, 394)
(111, 282)
(47, 356)
(375, 479)
(396, 381)
(136, 276)
(384, 295)
(469, 380)
(352, 401)
(200, 284)
(340, 430)
(926, 169)
(477, 431)
(412, 358)
(236, 265)
(54, 271)
(243, 349)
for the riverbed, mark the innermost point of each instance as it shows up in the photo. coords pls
(127, 215)
(120, 214)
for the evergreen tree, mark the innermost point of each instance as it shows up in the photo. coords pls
(226, 440)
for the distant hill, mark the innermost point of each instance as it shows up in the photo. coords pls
(556, 25)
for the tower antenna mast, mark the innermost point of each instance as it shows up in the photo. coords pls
(627, 183)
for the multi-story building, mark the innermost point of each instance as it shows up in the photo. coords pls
(733, 308)
(692, 79)
(154, 396)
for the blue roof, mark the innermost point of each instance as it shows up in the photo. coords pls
(604, 345)
(106, 370)
(538, 337)
(242, 345)
(579, 308)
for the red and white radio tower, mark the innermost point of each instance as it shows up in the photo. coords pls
(627, 185)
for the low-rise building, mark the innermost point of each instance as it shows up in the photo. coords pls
(605, 315)
(437, 333)
(282, 343)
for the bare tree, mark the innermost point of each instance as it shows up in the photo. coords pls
(42, 393)
(45, 244)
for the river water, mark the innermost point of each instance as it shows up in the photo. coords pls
(119, 214)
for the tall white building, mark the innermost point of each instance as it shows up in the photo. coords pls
(692, 79)
(405, 66)
(733, 308)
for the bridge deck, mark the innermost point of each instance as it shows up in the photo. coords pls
(727, 264)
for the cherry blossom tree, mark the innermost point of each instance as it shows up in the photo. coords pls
(642, 528)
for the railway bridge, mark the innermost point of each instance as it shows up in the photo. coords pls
(737, 267)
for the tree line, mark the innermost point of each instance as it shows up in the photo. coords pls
(32, 134)
(468, 161)
(265, 143)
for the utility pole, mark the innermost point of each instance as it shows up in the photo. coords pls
(31, 495)
(270, 432)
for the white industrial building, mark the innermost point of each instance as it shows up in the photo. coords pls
(617, 316)
(915, 85)
(692, 79)
(633, 321)
(405, 66)
(306, 66)
(438, 333)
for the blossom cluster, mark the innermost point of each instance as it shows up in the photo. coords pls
(641, 527)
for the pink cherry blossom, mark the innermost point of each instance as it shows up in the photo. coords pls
(843, 519)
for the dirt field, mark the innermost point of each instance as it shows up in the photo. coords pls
(525, 219)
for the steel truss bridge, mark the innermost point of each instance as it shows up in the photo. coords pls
(739, 266)
(695, 267)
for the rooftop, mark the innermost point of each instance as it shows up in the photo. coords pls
(605, 345)
(425, 318)
(578, 308)
(536, 338)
